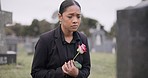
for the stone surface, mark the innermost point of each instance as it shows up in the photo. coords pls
(30, 45)
(6, 57)
(5, 18)
(100, 41)
(132, 42)
(11, 42)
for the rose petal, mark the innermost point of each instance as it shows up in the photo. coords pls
(81, 48)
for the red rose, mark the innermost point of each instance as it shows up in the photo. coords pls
(81, 49)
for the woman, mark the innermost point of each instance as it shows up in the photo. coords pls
(56, 49)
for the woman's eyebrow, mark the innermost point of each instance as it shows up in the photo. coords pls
(73, 14)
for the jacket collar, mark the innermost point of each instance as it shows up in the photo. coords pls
(58, 34)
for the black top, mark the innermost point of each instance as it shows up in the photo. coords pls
(71, 47)
(51, 52)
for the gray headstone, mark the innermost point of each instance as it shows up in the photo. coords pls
(11, 42)
(30, 45)
(5, 18)
(5, 58)
(100, 42)
(132, 42)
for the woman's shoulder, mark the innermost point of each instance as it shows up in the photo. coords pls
(47, 35)
(82, 35)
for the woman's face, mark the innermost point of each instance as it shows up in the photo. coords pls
(71, 18)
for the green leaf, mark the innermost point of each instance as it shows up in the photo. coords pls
(77, 64)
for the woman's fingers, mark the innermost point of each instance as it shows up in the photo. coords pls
(65, 68)
(70, 69)
(69, 64)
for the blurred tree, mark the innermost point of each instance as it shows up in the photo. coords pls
(14, 29)
(86, 24)
(113, 31)
(38, 27)
(25, 31)
(9, 31)
(44, 26)
(34, 29)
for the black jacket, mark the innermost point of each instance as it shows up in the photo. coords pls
(49, 57)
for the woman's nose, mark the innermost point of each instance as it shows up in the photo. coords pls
(75, 20)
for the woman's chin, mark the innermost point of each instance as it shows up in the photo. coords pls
(73, 30)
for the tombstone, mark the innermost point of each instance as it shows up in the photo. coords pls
(100, 41)
(30, 45)
(5, 18)
(11, 42)
(132, 41)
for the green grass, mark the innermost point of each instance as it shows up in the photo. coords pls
(103, 66)
(19, 70)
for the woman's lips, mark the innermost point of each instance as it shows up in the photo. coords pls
(74, 26)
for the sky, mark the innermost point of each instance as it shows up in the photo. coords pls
(104, 11)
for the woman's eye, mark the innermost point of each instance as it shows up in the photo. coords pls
(78, 16)
(69, 16)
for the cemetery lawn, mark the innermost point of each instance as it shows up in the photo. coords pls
(103, 66)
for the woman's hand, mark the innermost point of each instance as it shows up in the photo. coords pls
(70, 69)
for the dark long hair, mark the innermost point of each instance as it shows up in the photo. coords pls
(66, 3)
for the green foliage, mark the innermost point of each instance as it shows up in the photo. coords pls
(44, 26)
(86, 24)
(25, 31)
(113, 31)
(14, 29)
(38, 27)
(33, 30)
(9, 31)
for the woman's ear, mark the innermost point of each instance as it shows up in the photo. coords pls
(60, 17)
